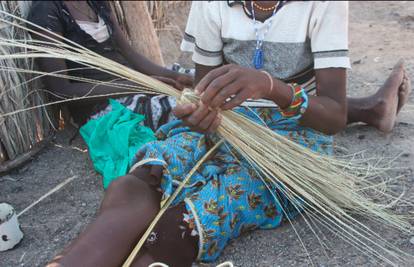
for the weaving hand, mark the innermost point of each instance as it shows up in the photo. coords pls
(230, 85)
(198, 117)
(180, 81)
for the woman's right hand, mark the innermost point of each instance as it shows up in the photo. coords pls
(198, 117)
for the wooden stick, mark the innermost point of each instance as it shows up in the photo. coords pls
(57, 188)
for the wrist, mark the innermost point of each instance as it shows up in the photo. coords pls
(281, 94)
(268, 86)
(164, 72)
(171, 74)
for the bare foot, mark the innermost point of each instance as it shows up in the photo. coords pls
(387, 102)
(404, 91)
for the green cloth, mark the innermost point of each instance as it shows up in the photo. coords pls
(114, 139)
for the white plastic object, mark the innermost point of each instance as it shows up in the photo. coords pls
(226, 264)
(158, 264)
(10, 232)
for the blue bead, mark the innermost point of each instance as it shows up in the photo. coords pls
(258, 58)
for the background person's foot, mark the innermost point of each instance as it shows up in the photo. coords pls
(386, 101)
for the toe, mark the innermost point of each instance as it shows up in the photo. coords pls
(400, 64)
(398, 71)
(407, 83)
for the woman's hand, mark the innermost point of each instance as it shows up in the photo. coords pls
(180, 81)
(186, 80)
(229, 86)
(199, 118)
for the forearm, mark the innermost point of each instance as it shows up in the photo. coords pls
(146, 66)
(90, 92)
(323, 113)
(138, 62)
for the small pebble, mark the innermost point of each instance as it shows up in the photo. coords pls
(83, 204)
(412, 240)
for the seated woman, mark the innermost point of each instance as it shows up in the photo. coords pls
(94, 26)
(279, 52)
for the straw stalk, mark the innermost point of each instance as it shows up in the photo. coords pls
(331, 191)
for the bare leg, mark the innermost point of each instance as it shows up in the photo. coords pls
(143, 259)
(127, 209)
(170, 242)
(380, 110)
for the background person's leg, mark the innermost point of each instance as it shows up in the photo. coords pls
(380, 110)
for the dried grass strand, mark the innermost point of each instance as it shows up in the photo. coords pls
(330, 188)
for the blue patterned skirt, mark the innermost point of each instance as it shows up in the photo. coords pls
(225, 197)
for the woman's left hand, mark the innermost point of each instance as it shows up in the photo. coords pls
(186, 80)
(180, 82)
(230, 85)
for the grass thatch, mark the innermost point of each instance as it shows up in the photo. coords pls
(159, 9)
(335, 192)
(18, 133)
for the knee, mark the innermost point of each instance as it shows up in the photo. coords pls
(124, 185)
(123, 190)
(130, 191)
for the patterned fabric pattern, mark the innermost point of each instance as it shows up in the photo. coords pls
(226, 196)
(157, 109)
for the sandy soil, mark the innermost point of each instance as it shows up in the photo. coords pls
(380, 33)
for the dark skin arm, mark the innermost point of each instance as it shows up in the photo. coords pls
(326, 112)
(65, 88)
(144, 65)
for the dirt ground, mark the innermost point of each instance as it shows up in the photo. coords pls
(380, 34)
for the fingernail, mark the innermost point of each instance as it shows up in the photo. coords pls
(197, 92)
(193, 106)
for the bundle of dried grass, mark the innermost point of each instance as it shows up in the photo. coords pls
(19, 133)
(331, 191)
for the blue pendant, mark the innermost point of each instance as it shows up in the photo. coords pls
(258, 58)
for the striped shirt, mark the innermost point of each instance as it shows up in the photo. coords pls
(303, 36)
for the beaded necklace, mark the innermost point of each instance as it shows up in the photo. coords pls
(264, 8)
(258, 52)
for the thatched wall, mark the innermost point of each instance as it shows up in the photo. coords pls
(20, 132)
